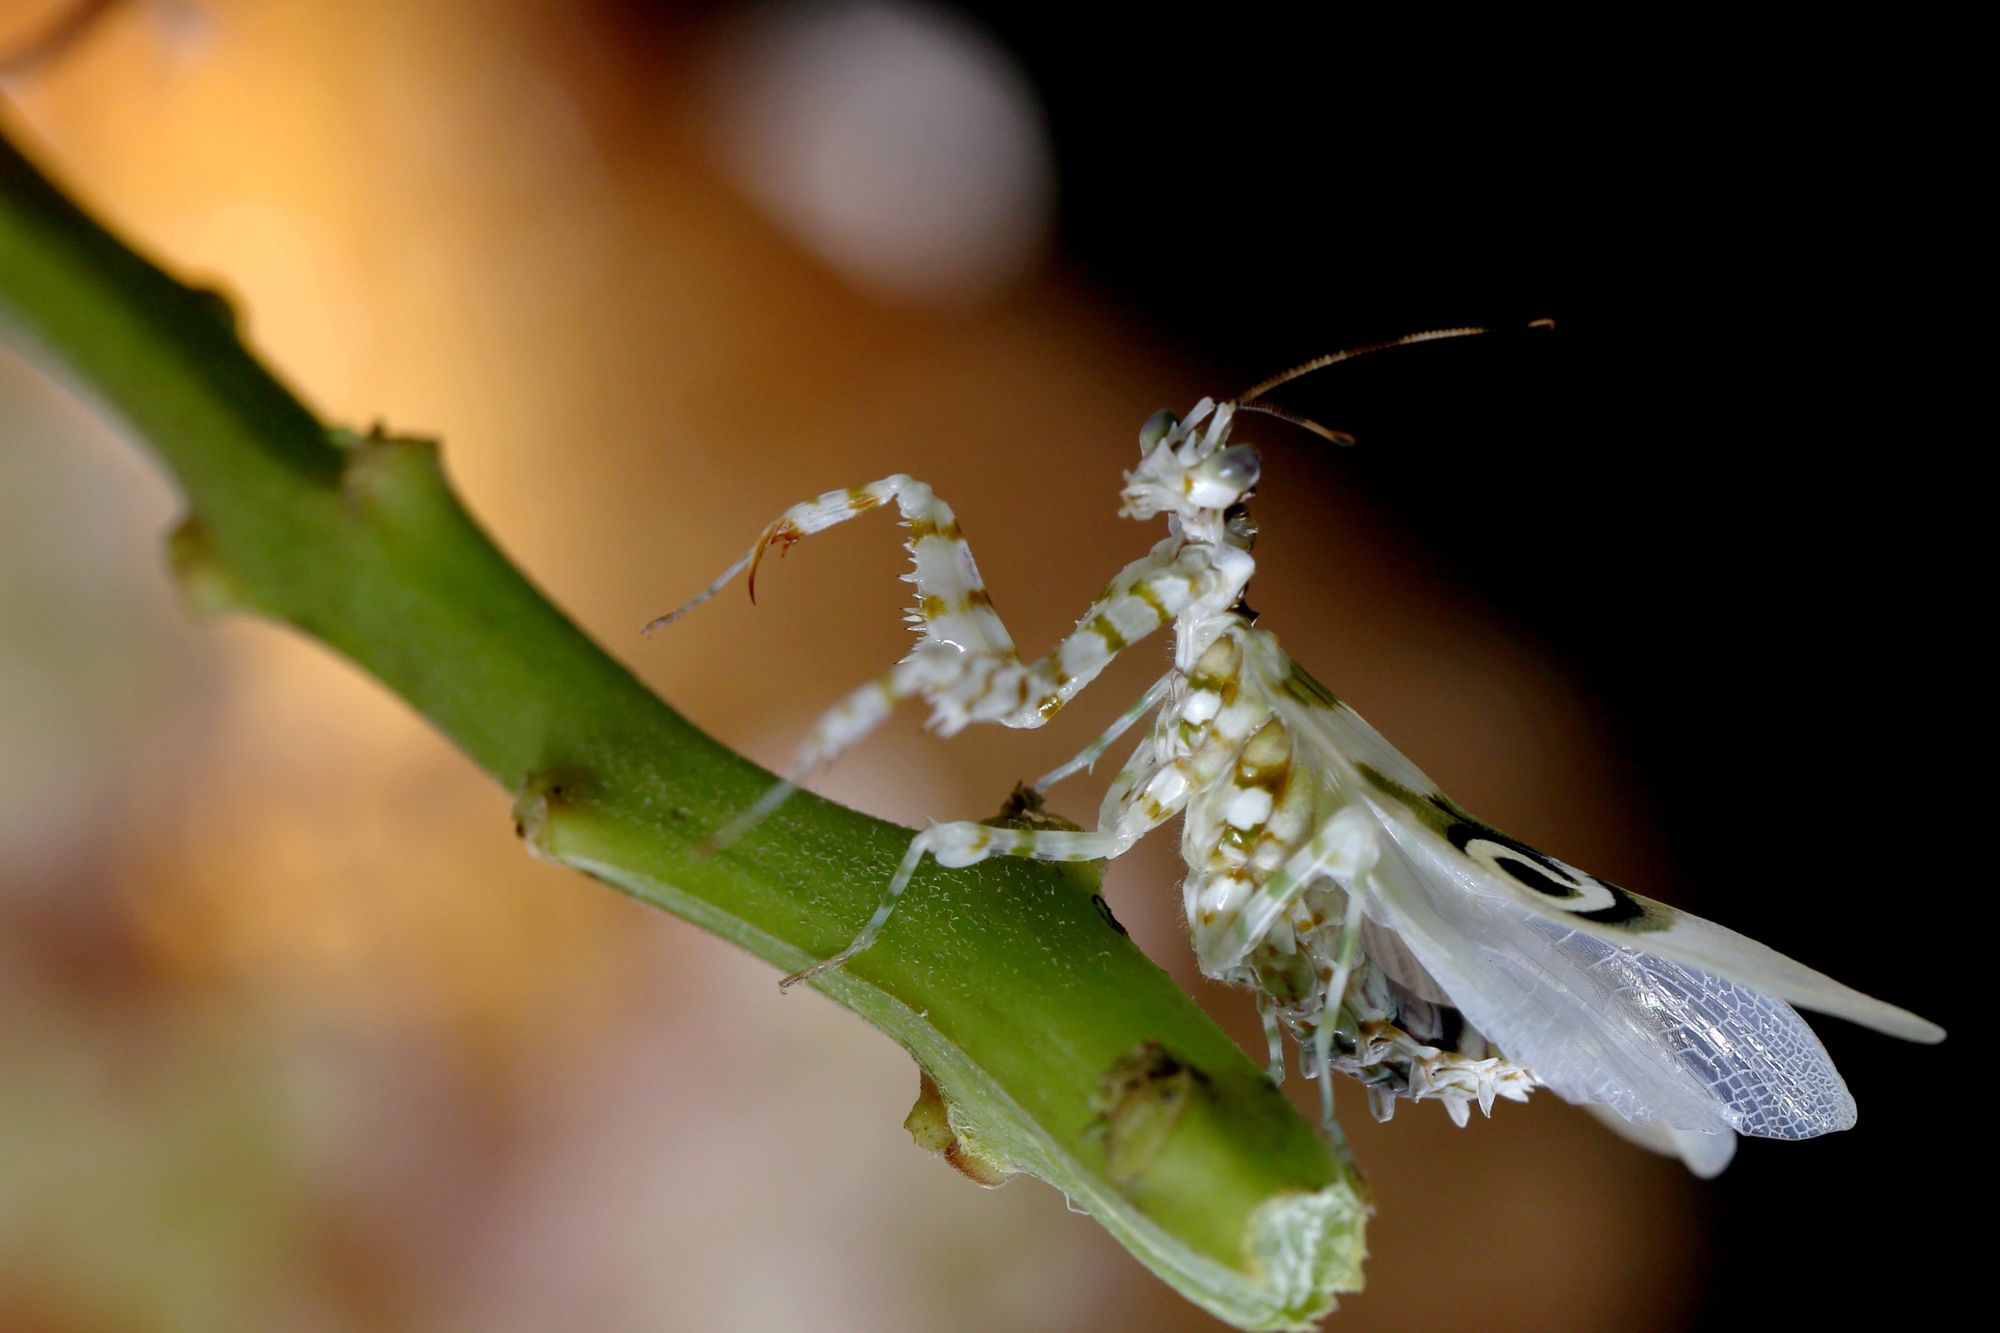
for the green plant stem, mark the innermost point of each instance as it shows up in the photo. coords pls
(1057, 1047)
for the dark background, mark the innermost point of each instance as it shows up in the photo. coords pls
(1720, 491)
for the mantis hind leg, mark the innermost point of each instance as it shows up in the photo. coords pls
(1274, 1040)
(965, 843)
(1336, 996)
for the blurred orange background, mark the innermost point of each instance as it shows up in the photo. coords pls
(293, 1035)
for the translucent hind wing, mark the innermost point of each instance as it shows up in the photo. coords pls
(1642, 1035)
(1609, 1003)
(1443, 840)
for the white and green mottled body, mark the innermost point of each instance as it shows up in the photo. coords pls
(1393, 936)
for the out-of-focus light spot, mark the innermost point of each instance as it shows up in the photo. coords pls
(897, 142)
(39, 36)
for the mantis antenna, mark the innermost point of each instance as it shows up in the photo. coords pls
(1247, 401)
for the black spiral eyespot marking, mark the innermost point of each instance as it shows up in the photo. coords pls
(1104, 910)
(1569, 889)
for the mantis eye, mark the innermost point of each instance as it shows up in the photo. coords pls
(1158, 426)
(1236, 467)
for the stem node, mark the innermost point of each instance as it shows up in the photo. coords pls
(207, 585)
